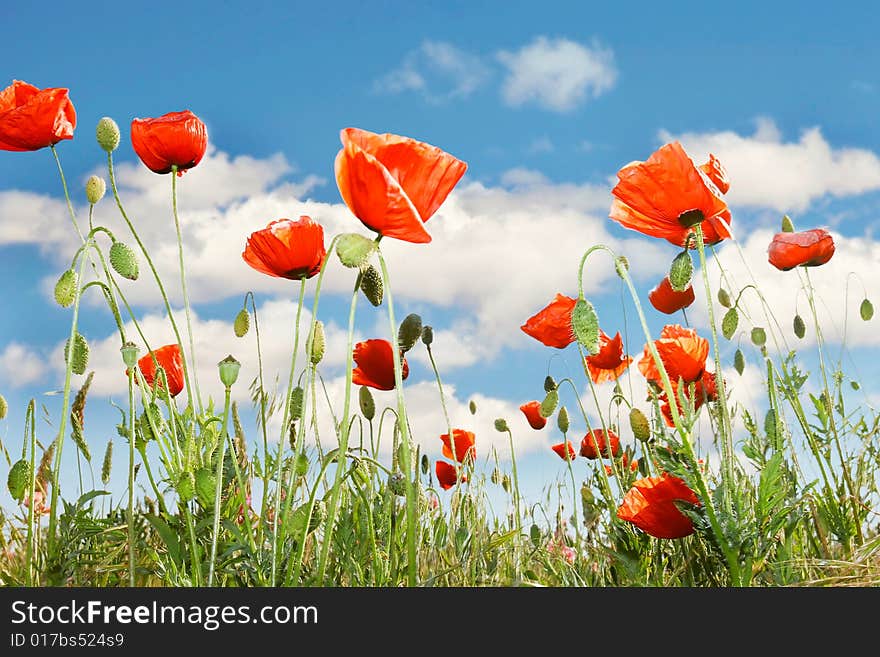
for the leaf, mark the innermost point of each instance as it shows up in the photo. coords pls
(168, 536)
(88, 497)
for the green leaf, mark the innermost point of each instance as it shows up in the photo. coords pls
(168, 536)
(88, 497)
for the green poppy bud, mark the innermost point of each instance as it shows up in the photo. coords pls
(95, 189)
(410, 331)
(65, 288)
(107, 134)
(242, 323)
(124, 261)
(585, 325)
(371, 286)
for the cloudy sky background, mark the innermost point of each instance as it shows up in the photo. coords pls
(544, 103)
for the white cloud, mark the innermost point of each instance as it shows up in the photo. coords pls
(766, 171)
(557, 74)
(541, 145)
(438, 70)
(20, 365)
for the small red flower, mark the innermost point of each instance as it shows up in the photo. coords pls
(170, 360)
(704, 390)
(666, 196)
(394, 184)
(446, 475)
(716, 173)
(682, 352)
(609, 362)
(176, 138)
(552, 325)
(532, 411)
(562, 448)
(375, 365)
(650, 506)
(32, 118)
(287, 249)
(809, 248)
(669, 301)
(595, 443)
(465, 448)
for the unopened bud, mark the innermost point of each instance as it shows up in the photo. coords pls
(549, 403)
(410, 331)
(562, 420)
(242, 323)
(296, 403)
(95, 189)
(427, 335)
(549, 384)
(79, 359)
(107, 134)
(585, 325)
(501, 425)
(4, 407)
(866, 310)
(681, 271)
(472, 407)
(371, 285)
(124, 261)
(724, 298)
(318, 343)
(368, 406)
(639, 424)
(65, 288)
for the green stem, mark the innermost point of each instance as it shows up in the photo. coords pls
(411, 510)
(218, 489)
(30, 428)
(131, 439)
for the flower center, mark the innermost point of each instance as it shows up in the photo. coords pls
(690, 218)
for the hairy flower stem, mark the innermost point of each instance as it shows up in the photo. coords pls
(131, 439)
(189, 392)
(30, 430)
(276, 544)
(218, 488)
(186, 305)
(820, 348)
(411, 510)
(344, 431)
(727, 454)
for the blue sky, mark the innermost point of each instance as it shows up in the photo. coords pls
(544, 101)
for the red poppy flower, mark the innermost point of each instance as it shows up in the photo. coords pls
(446, 475)
(552, 325)
(287, 249)
(609, 362)
(562, 448)
(624, 463)
(375, 365)
(703, 390)
(666, 196)
(170, 360)
(31, 118)
(532, 411)
(716, 173)
(465, 448)
(809, 248)
(682, 352)
(650, 506)
(394, 184)
(595, 443)
(176, 138)
(667, 300)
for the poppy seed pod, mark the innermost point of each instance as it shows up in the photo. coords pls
(229, 369)
(129, 354)
(409, 333)
(759, 336)
(354, 250)
(681, 271)
(95, 189)
(318, 343)
(371, 286)
(79, 359)
(501, 425)
(107, 134)
(242, 323)
(65, 288)
(124, 261)
(585, 325)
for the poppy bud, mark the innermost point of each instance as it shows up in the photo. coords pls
(549, 384)
(107, 463)
(759, 336)
(410, 331)
(19, 479)
(79, 359)
(206, 483)
(501, 425)
(681, 271)
(301, 465)
(4, 407)
(368, 406)
(397, 484)
(562, 420)
(639, 424)
(371, 285)
(800, 329)
(866, 310)
(739, 362)
(549, 403)
(95, 189)
(724, 298)
(65, 288)
(186, 486)
(585, 325)
(729, 323)
(787, 224)
(472, 407)
(107, 134)
(242, 323)
(124, 261)
(354, 250)
(427, 335)
(426, 464)
(129, 354)
(855, 385)
(318, 343)
(229, 368)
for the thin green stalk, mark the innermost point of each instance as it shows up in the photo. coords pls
(517, 500)
(218, 489)
(727, 453)
(30, 429)
(186, 305)
(131, 438)
(411, 510)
